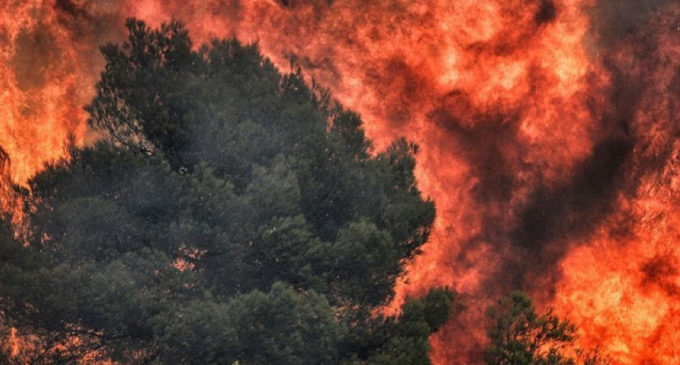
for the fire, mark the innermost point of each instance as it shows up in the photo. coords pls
(546, 129)
(14, 343)
(623, 286)
(45, 81)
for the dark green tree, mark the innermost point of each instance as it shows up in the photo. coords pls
(230, 214)
(520, 336)
(402, 339)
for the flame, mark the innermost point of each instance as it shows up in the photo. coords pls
(623, 286)
(547, 136)
(43, 83)
(15, 346)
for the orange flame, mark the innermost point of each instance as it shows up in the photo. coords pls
(45, 82)
(623, 286)
(14, 343)
(549, 151)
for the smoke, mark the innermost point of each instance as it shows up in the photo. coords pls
(546, 127)
(36, 52)
(614, 20)
(547, 12)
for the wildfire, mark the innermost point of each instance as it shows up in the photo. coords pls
(623, 286)
(547, 133)
(45, 81)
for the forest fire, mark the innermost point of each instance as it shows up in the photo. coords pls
(547, 133)
(45, 82)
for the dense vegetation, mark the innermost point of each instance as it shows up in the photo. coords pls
(229, 214)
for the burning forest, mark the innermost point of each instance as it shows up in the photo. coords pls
(340, 181)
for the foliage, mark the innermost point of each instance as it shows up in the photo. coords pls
(402, 339)
(520, 336)
(231, 215)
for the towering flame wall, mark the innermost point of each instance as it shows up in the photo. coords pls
(548, 134)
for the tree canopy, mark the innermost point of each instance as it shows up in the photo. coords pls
(230, 214)
(520, 336)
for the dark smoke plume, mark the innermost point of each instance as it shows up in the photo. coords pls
(614, 20)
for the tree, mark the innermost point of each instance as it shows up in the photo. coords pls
(402, 339)
(230, 214)
(520, 336)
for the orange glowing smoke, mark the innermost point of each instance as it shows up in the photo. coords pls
(547, 135)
